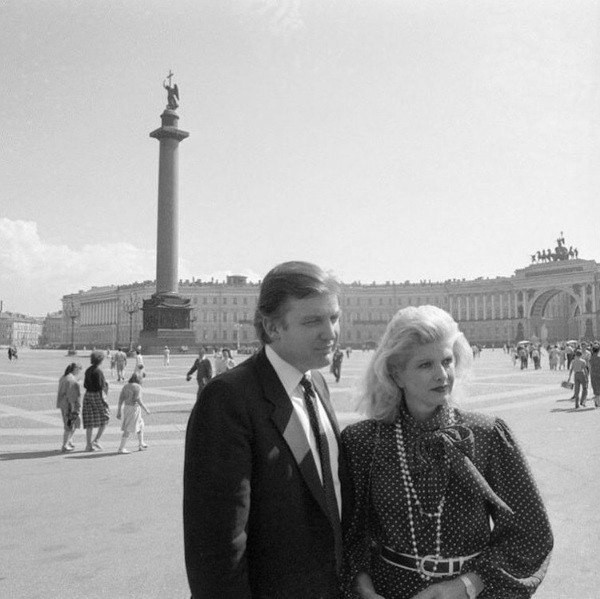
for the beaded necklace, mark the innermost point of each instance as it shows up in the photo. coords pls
(412, 498)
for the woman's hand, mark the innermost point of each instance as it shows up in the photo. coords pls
(364, 587)
(451, 589)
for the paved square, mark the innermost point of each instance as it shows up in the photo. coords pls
(103, 525)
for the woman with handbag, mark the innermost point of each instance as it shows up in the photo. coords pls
(95, 412)
(443, 502)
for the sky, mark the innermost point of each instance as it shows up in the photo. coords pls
(383, 140)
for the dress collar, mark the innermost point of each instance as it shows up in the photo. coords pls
(442, 417)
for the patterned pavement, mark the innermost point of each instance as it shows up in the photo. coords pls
(108, 526)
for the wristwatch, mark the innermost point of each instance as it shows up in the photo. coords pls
(471, 592)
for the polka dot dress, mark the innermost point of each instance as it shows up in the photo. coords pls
(491, 507)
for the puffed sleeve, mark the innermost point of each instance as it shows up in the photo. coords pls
(358, 443)
(515, 562)
(216, 494)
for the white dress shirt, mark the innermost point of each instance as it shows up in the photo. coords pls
(290, 378)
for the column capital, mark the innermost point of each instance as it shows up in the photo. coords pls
(170, 120)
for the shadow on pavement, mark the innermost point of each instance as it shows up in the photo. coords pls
(91, 455)
(30, 455)
(574, 409)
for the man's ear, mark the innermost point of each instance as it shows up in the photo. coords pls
(271, 327)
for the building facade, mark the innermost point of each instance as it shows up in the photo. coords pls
(53, 330)
(545, 301)
(19, 330)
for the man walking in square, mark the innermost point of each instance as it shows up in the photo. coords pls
(203, 369)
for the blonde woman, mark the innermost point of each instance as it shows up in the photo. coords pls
(444, 503)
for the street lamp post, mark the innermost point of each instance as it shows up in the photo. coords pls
(131, 305)
(238, 327)
(72, 311)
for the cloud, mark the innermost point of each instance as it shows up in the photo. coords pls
(34, 275)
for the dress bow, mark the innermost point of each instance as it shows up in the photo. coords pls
(457, 443)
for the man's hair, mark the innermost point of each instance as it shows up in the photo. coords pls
(96, 357)
(297, 280)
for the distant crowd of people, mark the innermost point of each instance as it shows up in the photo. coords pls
(580, 359)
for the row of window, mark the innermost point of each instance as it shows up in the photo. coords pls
(246, 301)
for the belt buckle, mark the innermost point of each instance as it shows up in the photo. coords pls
(421, 567)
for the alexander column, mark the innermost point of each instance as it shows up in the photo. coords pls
(166, 313)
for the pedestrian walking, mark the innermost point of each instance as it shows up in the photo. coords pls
(112, 356)
(120, 363)
(227, 359)
(535, 356)
(68, 401)
(523, 355)
(95, 412)
(203, 369)
(579, 370)
(139, 363)
(595, 373)
(562, 358)
(336, 364)
(166, 356)
(130, 407)
(553, 354)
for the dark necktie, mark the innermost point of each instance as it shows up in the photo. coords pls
(310, 401)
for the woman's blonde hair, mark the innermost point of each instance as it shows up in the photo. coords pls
(409, 328)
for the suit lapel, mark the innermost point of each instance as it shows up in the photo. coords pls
(287, 422)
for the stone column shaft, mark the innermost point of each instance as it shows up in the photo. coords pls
(167, 237)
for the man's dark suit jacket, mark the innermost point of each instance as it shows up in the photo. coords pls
(255, 516)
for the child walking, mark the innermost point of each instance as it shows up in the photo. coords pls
(131, 398)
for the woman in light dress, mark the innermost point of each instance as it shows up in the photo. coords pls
(130, 407)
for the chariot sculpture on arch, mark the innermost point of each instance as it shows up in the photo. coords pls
(172, 92)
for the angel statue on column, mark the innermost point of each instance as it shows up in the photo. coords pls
(172, 93)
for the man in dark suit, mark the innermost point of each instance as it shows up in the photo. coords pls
(262, 490)
(203, 369)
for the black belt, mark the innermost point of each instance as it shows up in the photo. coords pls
(427, 565)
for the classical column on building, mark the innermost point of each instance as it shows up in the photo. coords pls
(166, 313)
(484, 313)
